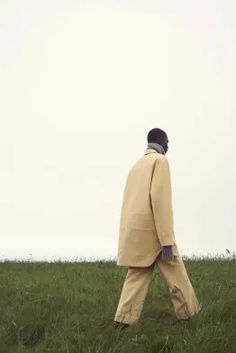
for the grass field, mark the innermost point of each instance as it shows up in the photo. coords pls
(64, 307)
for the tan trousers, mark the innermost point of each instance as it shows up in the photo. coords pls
(137, 282)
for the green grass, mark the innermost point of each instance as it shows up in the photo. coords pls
(64, 307)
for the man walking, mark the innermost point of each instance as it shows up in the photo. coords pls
(147, 238)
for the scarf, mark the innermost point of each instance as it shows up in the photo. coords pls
(156, 147)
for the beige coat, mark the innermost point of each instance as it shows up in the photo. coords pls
(146, 220)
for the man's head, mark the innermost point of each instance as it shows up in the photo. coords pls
(158, 136)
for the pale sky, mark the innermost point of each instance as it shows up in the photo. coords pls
(81, 84)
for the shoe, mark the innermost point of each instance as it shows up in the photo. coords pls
(121, 325)
(188, 319)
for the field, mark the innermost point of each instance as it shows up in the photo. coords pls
(65, 307)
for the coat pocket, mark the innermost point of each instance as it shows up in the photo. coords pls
(142, 224)
(142, 241)
(138, 221)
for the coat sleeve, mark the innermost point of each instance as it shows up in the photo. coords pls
(161, 201)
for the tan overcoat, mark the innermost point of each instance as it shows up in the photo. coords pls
(146, 220)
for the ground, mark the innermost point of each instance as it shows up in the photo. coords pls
(64, 307)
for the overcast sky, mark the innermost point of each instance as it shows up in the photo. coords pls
(81, 84)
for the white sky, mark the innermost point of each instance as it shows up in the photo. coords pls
(81, 84)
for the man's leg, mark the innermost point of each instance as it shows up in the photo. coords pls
(182, 294)
(133, 294)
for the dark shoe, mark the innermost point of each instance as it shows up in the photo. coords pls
(121, 325)
(186, 321)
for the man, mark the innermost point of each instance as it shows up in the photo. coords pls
(147, 238)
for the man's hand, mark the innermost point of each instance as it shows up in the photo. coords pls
(167, 254)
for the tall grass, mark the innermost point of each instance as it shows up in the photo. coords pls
(69, 307)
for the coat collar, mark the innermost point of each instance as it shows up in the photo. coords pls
(150, 150)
